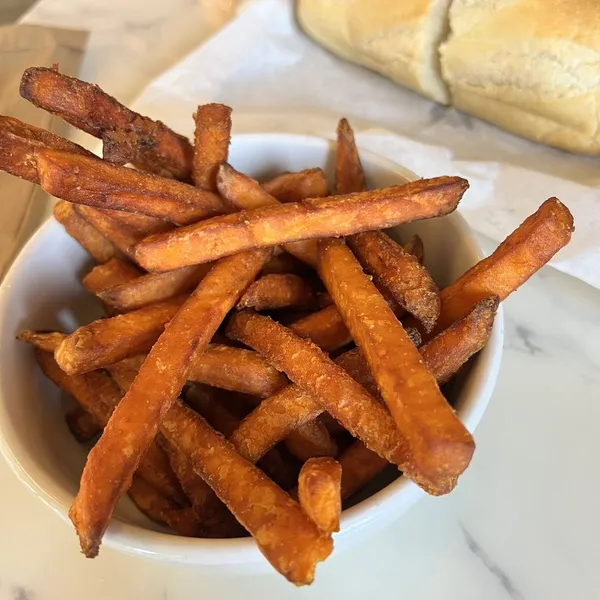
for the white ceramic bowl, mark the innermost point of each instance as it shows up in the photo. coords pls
(43, 291)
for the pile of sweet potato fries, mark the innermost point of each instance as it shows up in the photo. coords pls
(215, 419)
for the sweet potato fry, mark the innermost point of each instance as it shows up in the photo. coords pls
(314, 372)
(92, 182)
(43, 340)
(393, 269)
(294, 187)
(82, 425)
(359, 466)
(162, 510)
(319, 486)
(86, 234)
(97, 394)
(285, 535)
(87, 107)
(311, 440)
(520, 255)
(244, 193)
(137, 418)
(142, 225)
(325, 328)
(283, 263)
(108, 341)
(415, 247)
(113, 272)
(153, 287)
(121, 237)
(400, 273)
(439, 444)
(236, 369)
(312, 218)
(278, 291)
(211, 143)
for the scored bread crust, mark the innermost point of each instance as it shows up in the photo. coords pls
(398, 39)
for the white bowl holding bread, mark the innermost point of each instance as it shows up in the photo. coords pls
(42, 291)
(527, 66)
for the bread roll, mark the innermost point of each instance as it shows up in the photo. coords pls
(529, 66)
(397, 38)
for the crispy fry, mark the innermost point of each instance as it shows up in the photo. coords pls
(399, 272)
(82, 425)
(439, 444)
(285, 535)
(136, 419)
(162, 510)
(19, 142)
(86, 234)
(244, 193)
(153, 287)
(108, 341)
(87, 107)
(359, 466)
(349, 174)
(96, 183)
(140, 224)
(294, 187)
(311, 440)
(112, 273)
(236, 369)
(121, 237)
(97, 394)
(312, 218)
(319, 486)
(43, 340)
(211, 143)
(520, 255)
(415, 247)
(325, 328)
(278, 291)
(314, 372)
(283, 263)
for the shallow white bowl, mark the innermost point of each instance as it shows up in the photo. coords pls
(43, 291)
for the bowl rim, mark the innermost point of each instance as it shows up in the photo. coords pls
(137, 540)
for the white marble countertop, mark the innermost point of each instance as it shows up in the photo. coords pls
(522, 524)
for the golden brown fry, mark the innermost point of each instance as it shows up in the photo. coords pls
(520, 255)
(314, 372)
(415, 247)
(93, 182)
(163, 510)
(439, 444)
(278, 291)
(153, 287)
(325, 328)
(319, 486)
(110, 340)
(86, 234)
(359, 466)
(211, 143)
(283, 263)
(87, 107)
(294, 187)
(112, 273)
(400, 273)
(137, 418)
(236, 369)
(19, 142)
(97, 394)
(312, 218)
(244, 193)
(285, 535)
(82, 425)
(140, 224)
(349, 174)
(121, 237)
(311, 440)
(43, 340)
